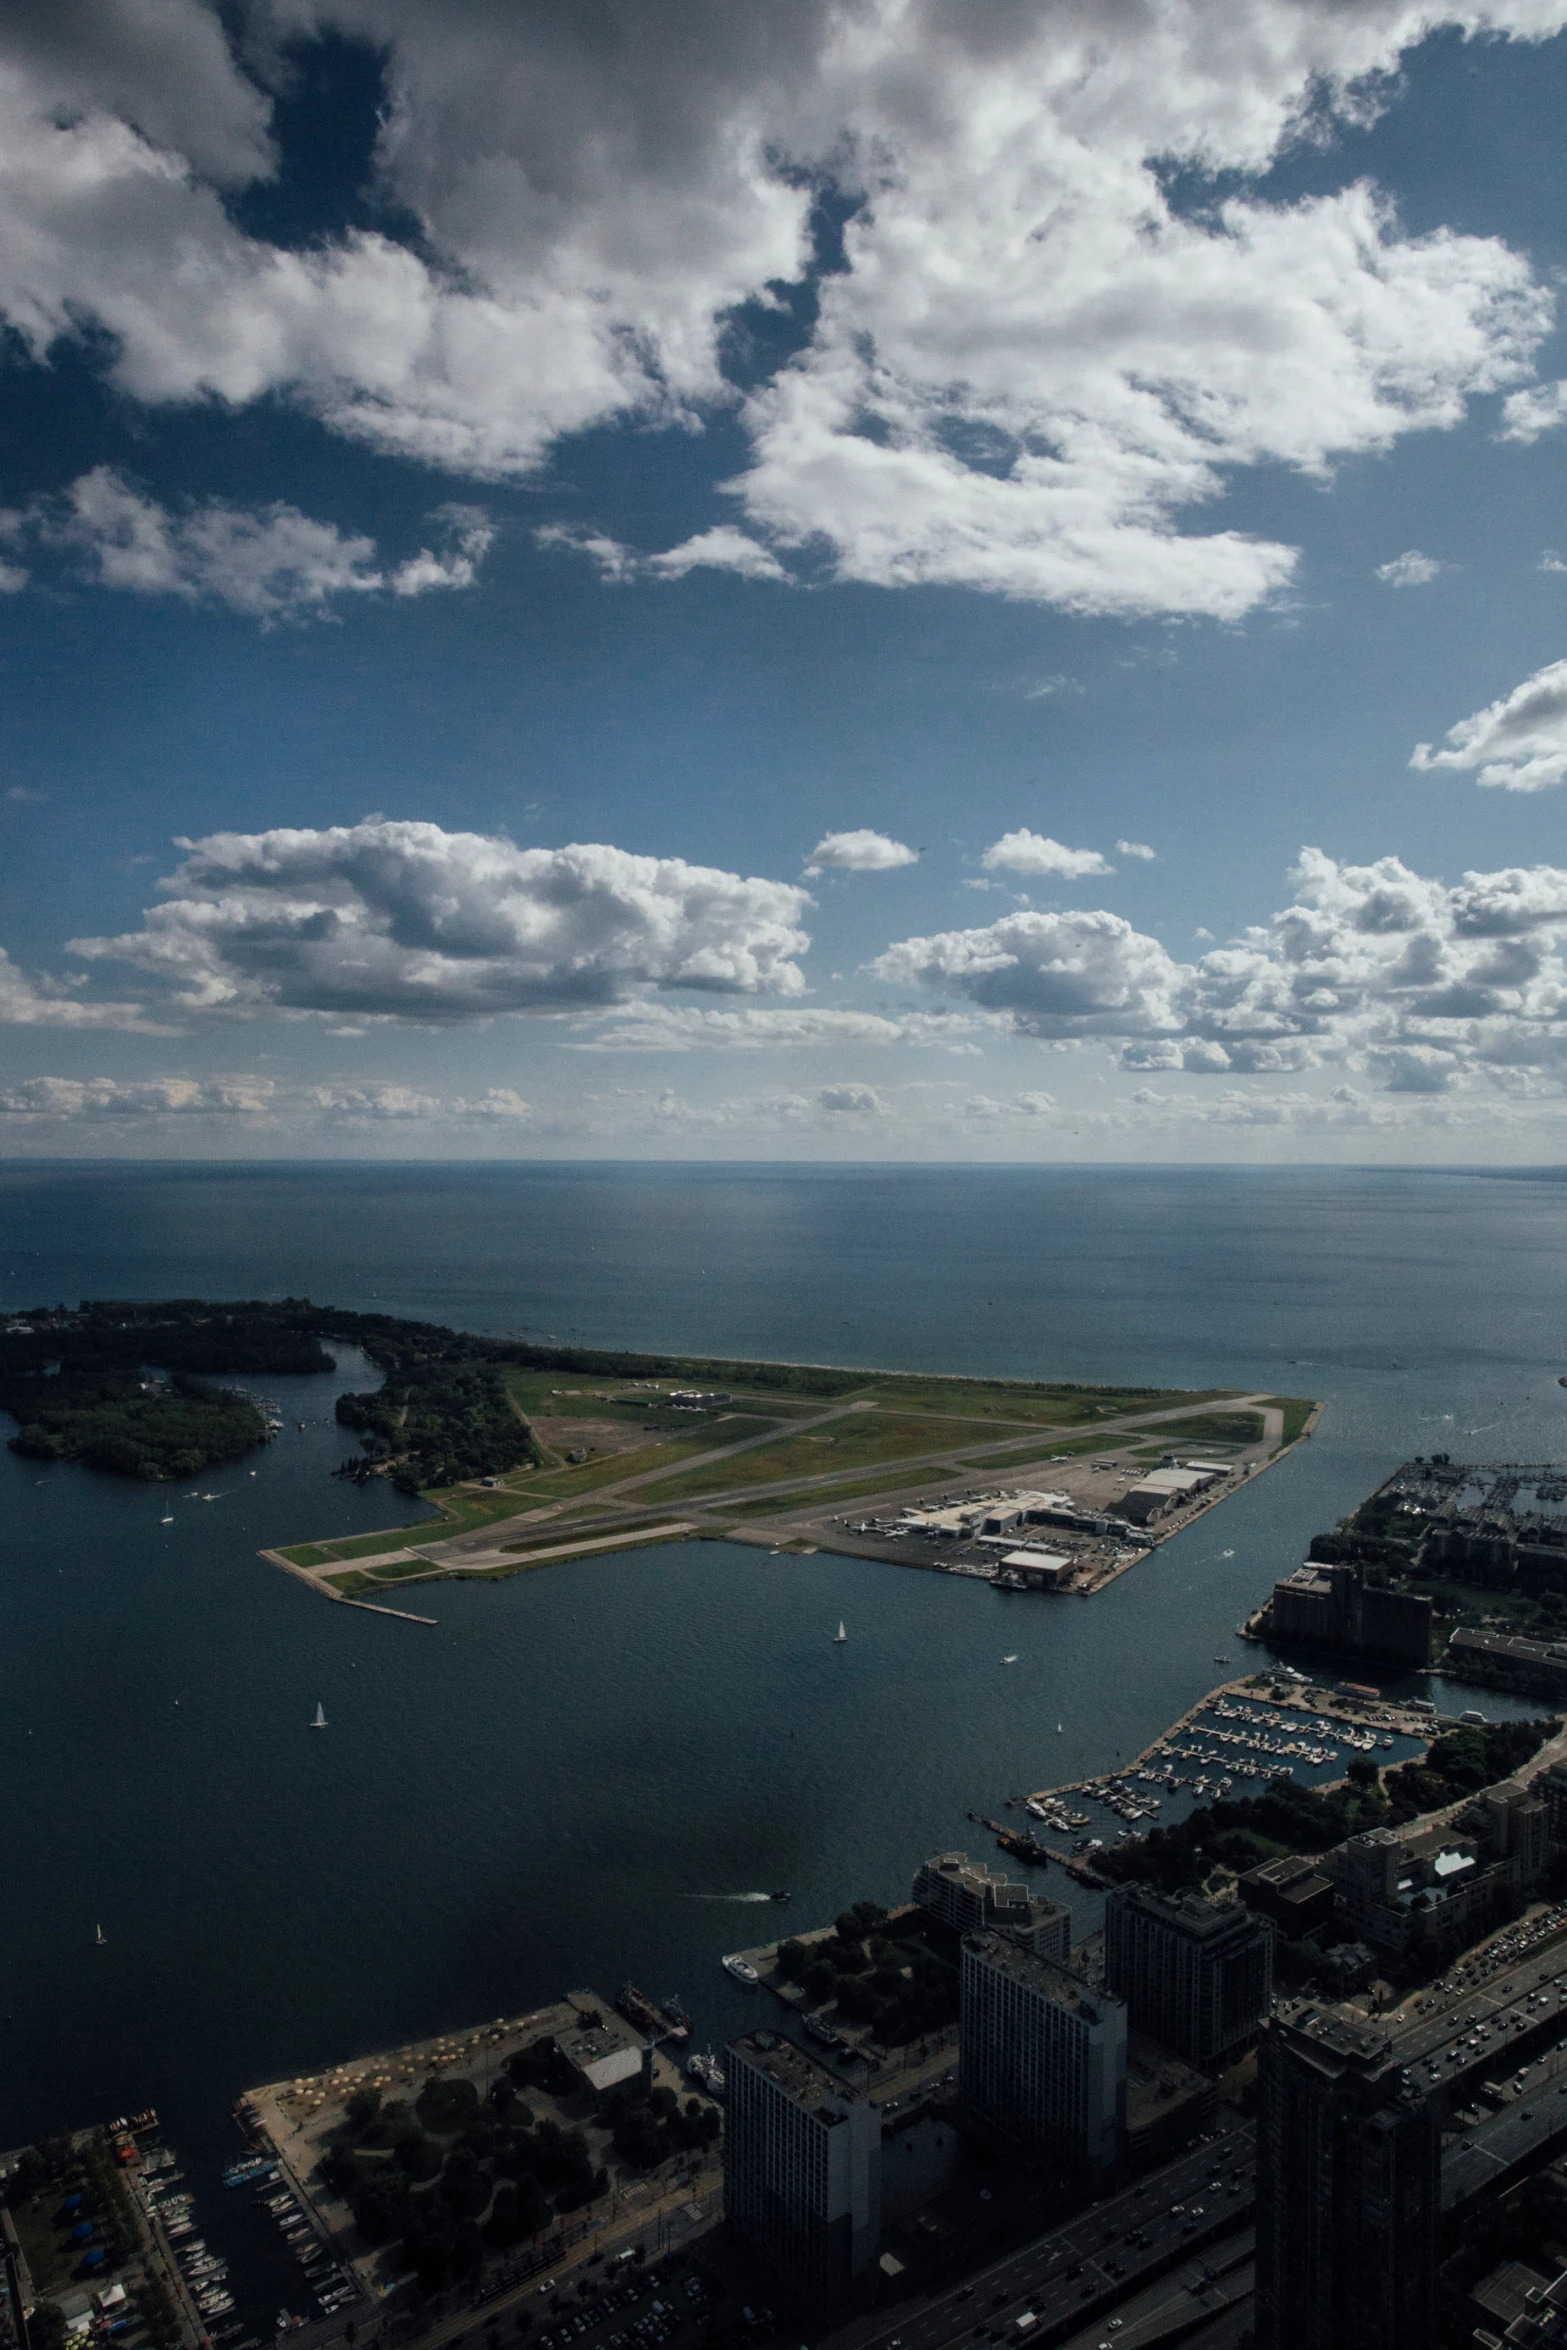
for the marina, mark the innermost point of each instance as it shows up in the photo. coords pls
(1231, 1743)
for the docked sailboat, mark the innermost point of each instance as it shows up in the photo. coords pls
(319, 1720)
(841, 1633)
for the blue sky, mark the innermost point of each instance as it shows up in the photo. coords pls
(857, 580)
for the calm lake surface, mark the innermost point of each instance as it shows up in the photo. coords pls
(578, 1774)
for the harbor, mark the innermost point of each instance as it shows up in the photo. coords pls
(1229, 1744)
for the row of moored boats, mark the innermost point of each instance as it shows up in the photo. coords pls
(330, 2283)
(204, 2271)
(1257, 1754)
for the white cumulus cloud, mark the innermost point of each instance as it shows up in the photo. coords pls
(1138, 849)
(1411, 569)
(252, 1100)
(723, 548)
(1537, 409)
(1056, 975)
(679, 1028)
(859, 852)
(33, 1003)
(407, 921)
(273, 563)
(1035, 852)
(1517, 743)
(1422, 985)
(79, 1098)
(1029, 374)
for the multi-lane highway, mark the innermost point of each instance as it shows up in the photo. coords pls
(1186, 2213)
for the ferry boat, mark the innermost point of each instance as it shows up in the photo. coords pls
(742, 1970)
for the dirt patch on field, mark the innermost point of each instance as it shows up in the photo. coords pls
(600, 1436)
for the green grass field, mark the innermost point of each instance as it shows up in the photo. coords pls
(462, 1511)
(566, 1484)
(1213, 1428)
(1297, 1410)
(854, 1442)
(1026, 1404)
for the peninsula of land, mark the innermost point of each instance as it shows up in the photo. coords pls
(533, 1453)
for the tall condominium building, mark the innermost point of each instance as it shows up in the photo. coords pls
(802, 2171)
(1348, 2191)
(1043, 2055)
(1197, 1976)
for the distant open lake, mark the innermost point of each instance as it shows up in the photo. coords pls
(574, 1778)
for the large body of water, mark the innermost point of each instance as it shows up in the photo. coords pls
(575, 1776)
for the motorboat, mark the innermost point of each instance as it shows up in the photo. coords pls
(742, 1970)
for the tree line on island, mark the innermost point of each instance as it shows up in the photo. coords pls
(125, 1386)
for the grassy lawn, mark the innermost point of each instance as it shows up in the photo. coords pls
(1213, 1428)
(1297, 1410)
(1058, 1406)
(1059, 1403)
(553, 1536)
(1020, 1464)
(830, 1498)
(566, 1484)
(848, 1444)
(360, 1582)
(461, 1512)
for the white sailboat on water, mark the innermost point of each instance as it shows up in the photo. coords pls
(99, 1936)
(319, 1722)
(840, 1634)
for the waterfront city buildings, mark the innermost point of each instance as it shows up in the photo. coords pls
(967, 1896)
(1347, 2191)
(1436, 1887)
(802, 2171)
(972, 1899)
(1042, 2053)
(1336, 1609)
(1196, 1975)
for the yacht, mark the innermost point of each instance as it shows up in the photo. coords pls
(742, 1970)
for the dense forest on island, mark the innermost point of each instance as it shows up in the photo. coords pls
(122, 1387)
(125, 1385)
(119, 1385)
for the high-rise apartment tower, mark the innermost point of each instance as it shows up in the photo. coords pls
(1348, 2190)
(802, 2171)
(1197, 1976)
(1043, 2054)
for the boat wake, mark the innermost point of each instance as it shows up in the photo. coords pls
(734, 1897)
